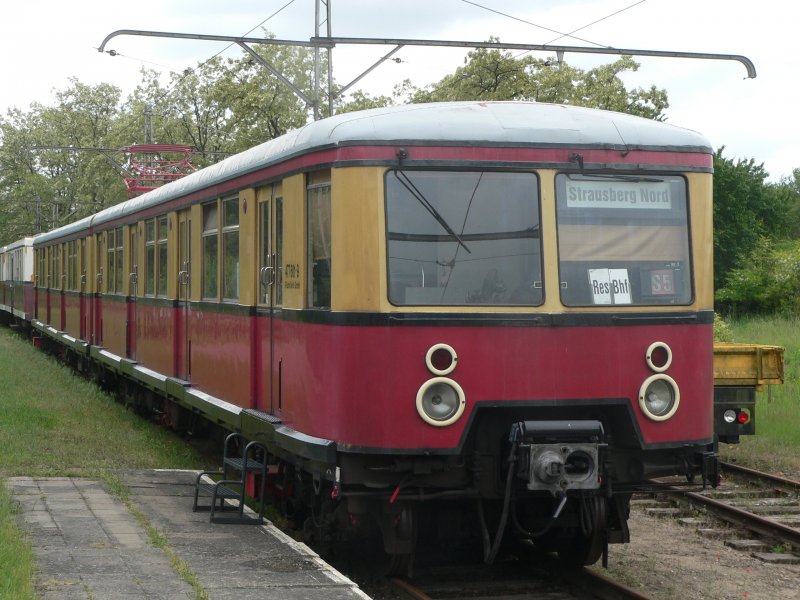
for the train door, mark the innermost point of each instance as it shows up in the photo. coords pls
(133, 290)
(270, 296)
(90, 286)
(182, 338)
(7, 277)
(50, 283)
(62, 286)
(82, 303)
(97, 296)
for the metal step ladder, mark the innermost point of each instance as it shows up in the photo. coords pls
(228, 487)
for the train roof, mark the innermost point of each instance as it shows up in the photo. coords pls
(448, 123)
(26, 241)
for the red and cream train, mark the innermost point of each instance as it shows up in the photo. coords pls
(502, 309)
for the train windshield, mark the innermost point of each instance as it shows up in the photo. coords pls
(463, 238)
(623, 240)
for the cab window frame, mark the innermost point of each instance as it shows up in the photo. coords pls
(515, 281)
(670, 226)
(319, 242)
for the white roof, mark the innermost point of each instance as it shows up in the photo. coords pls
(450, 123)
(27, 241)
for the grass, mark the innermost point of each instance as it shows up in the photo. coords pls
(54, 423)
(776, 445)
(16, 557)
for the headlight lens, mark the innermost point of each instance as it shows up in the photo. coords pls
(659, 397)
(440, 401)
(729, 416)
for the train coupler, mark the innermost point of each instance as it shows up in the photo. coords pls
(558, 456)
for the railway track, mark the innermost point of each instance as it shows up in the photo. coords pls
(542, 578)
(763, 510)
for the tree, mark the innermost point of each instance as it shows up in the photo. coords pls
(765, 281)
(495, 75)
(746, 208)
(229, 105)
(360, 100)
(791, 187)
(44, 183)
(222, 106)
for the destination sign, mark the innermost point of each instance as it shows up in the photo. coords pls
(610, 286)
(652, 195)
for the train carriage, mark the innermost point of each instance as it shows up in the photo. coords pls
(504, 305)
(16, 280)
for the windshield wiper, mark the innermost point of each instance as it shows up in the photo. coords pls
(420, 197)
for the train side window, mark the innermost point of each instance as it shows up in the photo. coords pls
(278, 249)
(68, 265)
(110, 263)
(54, 266)
(114, 261)
(161, 245)
(82, 265)
(457, 238)
(318, 197)
(73, 266)
(230, 249)
(150, 258)
(210, 250)
(98, 278)
(59, 267)
(623, 239)
(118, 271)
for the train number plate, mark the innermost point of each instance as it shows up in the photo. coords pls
(662, 282)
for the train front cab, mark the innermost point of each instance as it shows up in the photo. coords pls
(516, 344)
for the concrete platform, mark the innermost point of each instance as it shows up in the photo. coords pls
(89, 545)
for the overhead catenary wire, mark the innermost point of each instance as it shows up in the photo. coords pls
(532, 24)
(595, 22)
(561, 35)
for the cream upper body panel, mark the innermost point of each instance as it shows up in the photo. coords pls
(359, 260)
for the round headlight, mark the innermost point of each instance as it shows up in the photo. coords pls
(440, 401)
(441, 359)
(659, 397)
(729, 416)
(658, 357)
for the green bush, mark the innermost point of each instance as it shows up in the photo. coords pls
(767, 282)
(722, 330)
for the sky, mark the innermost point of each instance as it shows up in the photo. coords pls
(45, 43)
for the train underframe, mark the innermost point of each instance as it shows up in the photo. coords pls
(562, 484)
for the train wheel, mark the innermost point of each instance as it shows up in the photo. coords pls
(399, 565)
(399, 532)
(586, 545)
